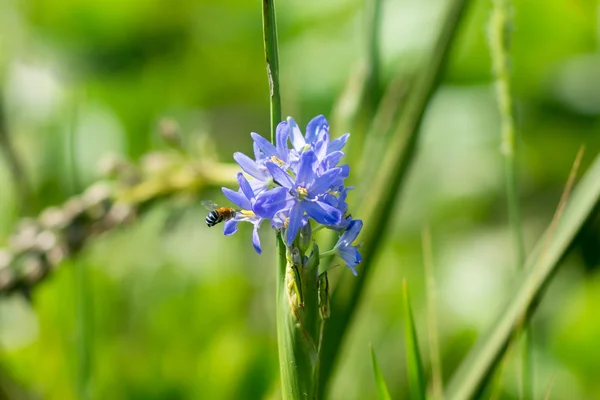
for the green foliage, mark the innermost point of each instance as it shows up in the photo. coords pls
(416, 380)
(382, 390)
(539, 268)
(183, 312)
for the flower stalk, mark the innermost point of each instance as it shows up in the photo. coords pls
(499, 48)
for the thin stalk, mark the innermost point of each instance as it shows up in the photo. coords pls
(15, 165)
(434, 346)
(83, 335)
(357, 104)
(384, 190)
(82, 286)
(295, 361)
(499, 48)
(541, 265)
(272, 60)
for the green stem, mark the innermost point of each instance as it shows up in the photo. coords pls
(297, 350)
(272, 60)
(328, 253)
(384, 189)
(82, 283)
(499, 48)
(84, 364)
(540, 267)
(292, 364)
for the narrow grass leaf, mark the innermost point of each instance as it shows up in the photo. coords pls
(382, 390)
(416, 380)
(384, 190)
(540, 265)
(431, 291)
(550, 385)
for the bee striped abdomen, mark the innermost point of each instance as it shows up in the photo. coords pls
(213, 218)
(219, 215)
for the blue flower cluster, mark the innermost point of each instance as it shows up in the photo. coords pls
(293, 185)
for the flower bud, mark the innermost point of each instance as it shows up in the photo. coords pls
(305, 237)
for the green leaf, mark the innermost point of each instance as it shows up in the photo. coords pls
(416, 380)
(539, 268)
(382, 390)
(384, 189)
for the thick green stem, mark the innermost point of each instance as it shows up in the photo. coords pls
(294, 364)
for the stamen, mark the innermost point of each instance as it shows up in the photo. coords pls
(302, 192)
(248, 213)
(277, 161)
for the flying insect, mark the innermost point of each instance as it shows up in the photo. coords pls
(217, 214)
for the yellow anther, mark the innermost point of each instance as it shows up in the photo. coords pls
(286, 222)
(248, 213)
(277, 161)
(302, 192)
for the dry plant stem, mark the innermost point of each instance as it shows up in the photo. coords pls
(434, 348)
(394, 169)
(38, 246)
(499, 46)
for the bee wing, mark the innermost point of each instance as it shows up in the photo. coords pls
(209, 205)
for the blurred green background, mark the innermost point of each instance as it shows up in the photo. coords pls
(185, 313)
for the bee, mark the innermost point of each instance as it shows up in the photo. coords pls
(217, 214)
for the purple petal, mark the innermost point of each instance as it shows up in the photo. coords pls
(324, 182)
(272, 201)
(315, 128)
(321, 147)
(258, 186)
(338, 144)
(280, 176)
(306, 173)
(351, 256)
(295, 222)
(264, 145)
(249, 166)
(237, 198)
(256, 239)
(322, 212)
(296, 135)
(245, 186)
(351, 233)
(283, 132)
(230, 227)
(258, 155)
(332, 159)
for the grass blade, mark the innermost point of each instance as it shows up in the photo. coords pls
(384, 191)
(500, 23)
(382, 390)
(416, 380)
(550, 385)
(434, 347)
(540, 265)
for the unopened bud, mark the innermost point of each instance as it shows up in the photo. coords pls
(305, 237)
(296, 257)
(323, 294)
